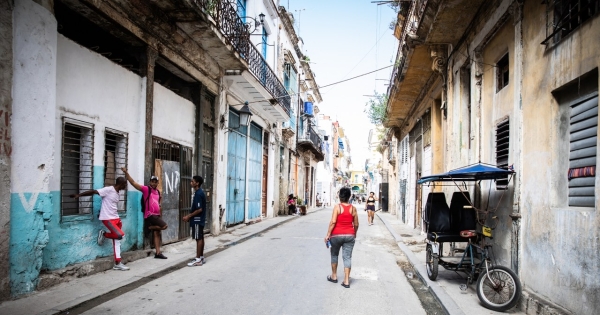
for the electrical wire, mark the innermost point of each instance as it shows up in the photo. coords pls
(319, 87)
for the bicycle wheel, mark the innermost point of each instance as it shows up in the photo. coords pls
(432, 261)
(500, 293)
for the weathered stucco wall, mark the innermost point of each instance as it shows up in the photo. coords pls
(33, 158)
(561, 256)
(6, 71)
(174, 117)
(93, 89)
(497, 105)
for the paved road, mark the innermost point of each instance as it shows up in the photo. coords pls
(283, 271)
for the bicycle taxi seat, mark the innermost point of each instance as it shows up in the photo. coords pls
(447, 224)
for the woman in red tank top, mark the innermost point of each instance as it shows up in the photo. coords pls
(341, 235)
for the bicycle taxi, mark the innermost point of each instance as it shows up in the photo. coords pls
(466, 229)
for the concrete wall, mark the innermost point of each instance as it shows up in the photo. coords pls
(6, 72)
(561, 251)
(33, 159)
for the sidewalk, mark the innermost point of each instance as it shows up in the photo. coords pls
(447, 286)
(81, 290)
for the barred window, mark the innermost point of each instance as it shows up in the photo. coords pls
(115, 157)
(77, 171)
(565, 16)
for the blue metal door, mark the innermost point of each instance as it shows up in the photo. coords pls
(255, 172)
(236, 170)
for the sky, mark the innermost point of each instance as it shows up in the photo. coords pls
(347, 38)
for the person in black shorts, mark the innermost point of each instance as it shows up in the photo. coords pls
(197, 219)
(371, 207)
(152, 210)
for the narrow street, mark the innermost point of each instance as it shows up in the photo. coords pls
(282, 271)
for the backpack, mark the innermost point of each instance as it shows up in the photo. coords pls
(146, 202)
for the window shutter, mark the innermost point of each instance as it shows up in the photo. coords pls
(582, 152)
(502, 151)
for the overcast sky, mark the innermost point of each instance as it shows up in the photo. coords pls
(346, 38)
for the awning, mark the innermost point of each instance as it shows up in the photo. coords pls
(473, 172)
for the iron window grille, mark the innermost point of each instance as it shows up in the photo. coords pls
(502, 151)
(115, 156)
(77, 170)
(502, 73)
(565, 16)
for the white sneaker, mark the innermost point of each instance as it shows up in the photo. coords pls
(121, 267)
(101, 237)
(195, 262)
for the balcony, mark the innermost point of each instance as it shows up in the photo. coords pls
(288, 128)
(312, 142)
(391, 155)
(424, 33)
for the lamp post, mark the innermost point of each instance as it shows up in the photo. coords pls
(245, 115)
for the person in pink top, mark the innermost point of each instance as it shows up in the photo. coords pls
(110, 217)
(152, 209)
(341, 235)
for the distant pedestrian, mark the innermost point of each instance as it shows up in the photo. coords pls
(325, 199)
(110, 217)
(371, 207)
(341, 235)
(291, 205)
(197, 219)
(152, 203)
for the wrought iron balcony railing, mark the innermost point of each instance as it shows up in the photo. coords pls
(263, 72)
(233, 28)
(312, 136)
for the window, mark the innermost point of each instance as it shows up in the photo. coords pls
(564, 16)
(502, 73)
(115, 157)
(502, 151)
(241, 9)
(579, 105)
(265, 40)
(290, 81)
(77, 171)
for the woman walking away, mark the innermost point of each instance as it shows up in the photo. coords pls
(341, 234)
(371, 207)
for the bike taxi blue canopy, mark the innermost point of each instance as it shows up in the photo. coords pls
(475, 172)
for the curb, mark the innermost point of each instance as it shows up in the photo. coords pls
(126, 286)
(447, 303)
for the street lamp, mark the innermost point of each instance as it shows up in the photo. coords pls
(245, 115)
(257, 23)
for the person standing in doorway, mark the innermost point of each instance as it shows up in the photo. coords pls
(197, 219)
(152, 201)
(110, 217)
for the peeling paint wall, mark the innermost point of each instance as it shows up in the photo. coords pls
(6, 71)
(497, 105)
(561, 247)
(33, 159)
(92, 89)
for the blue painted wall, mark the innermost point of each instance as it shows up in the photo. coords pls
(28, 238)
(39, 240)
